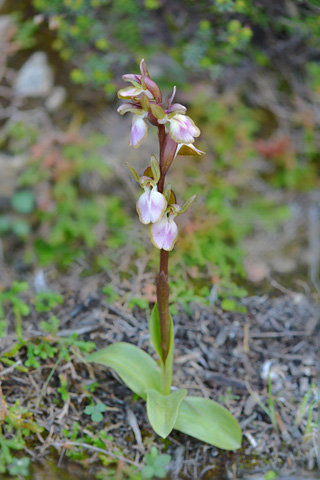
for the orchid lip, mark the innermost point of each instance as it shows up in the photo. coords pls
(151, 205)
(164, 233)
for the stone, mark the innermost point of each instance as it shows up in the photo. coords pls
(35, 78)
(56, 98)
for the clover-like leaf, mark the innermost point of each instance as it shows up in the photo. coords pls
(19, 466)
(155, 464)
(95, 411)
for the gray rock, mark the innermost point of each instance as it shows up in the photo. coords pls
(6, 24)
(35, 79)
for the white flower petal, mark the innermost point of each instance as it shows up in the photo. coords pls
(151, 205)
(130, 92)
(139, 130)
(128, 107)
(182, 129)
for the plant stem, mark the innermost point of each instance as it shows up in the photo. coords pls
(165, 381)
(163, 309)
(162, 281)
(164, 260)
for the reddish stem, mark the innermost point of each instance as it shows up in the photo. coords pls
(162, 281)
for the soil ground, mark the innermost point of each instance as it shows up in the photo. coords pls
(225, 356)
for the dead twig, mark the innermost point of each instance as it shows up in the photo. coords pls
(95, 449)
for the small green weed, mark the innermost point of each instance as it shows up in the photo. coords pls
(96, 439)
(19, 466)
(63, 389)
(18, 424)
(272, 399)
(228, 396)
(19, 307)
(45, 301)
(155, 464)
(110, 293)
(52, 326)
(308, 405)
(96, 411)
(35, 352)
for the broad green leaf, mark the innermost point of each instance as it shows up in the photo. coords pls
(134, 366)
(163, 410)
(210, 422)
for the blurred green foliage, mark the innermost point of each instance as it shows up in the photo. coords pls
(69, 216)
(101, 39)
(185, 43)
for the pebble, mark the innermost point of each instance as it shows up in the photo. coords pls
(56, 98)
(35, 78)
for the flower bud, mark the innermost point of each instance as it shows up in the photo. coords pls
(153, 89)
(143, 69)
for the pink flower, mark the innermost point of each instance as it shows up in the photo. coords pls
(139, 129)
(164, 233)
(181, 127)
(140, 84)
(136, 89)
(152, 204)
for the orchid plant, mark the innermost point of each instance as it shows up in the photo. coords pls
(168, 408)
